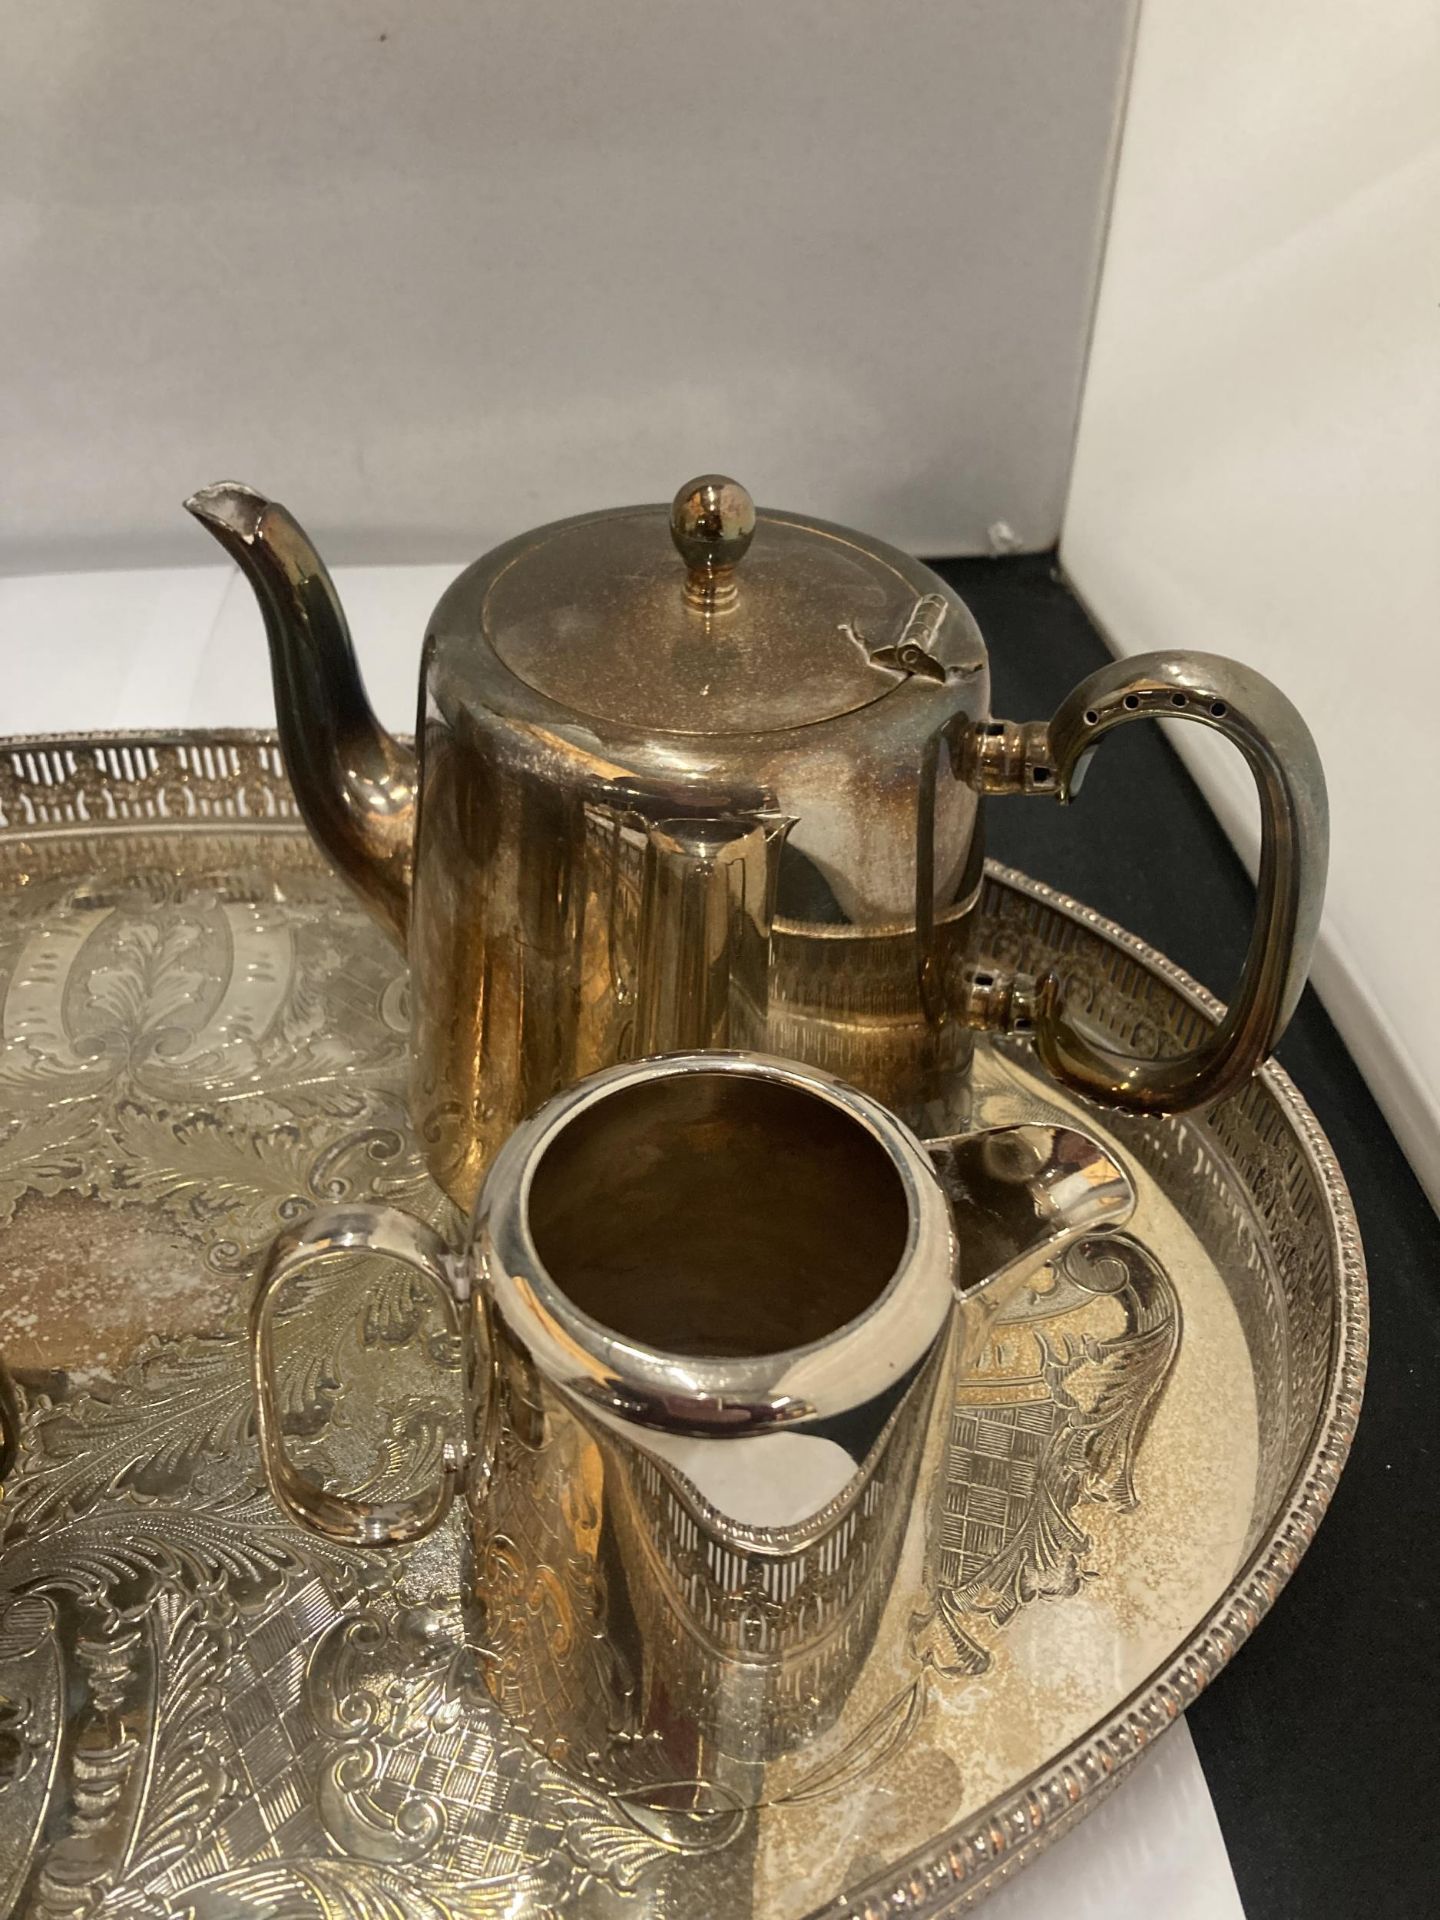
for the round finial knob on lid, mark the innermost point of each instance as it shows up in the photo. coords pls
(712, 522)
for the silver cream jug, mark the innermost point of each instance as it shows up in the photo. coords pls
(711, 1305)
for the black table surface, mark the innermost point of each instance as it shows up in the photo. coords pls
(1321, 1743)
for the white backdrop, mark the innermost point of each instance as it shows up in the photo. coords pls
(1257, 469)
(436, 271)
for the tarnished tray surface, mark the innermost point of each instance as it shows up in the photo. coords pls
(206, 1713)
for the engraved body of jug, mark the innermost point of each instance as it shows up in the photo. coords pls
(714, 1309)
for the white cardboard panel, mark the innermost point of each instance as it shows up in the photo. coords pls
(434, 272)
(1256, 468)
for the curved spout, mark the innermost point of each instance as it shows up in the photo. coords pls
(355, 783)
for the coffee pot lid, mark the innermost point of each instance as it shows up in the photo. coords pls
(711, 618)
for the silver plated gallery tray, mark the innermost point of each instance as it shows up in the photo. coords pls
(205, 1713)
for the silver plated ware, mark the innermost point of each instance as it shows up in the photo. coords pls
(708, 1303)
(205, 1710)
(707, 777)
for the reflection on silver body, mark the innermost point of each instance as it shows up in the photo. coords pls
(711, 777)
(710, 1303)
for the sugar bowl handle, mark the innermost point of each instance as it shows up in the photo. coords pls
(1036, 758)
(352, 1229)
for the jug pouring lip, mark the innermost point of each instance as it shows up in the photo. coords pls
(1020, 1194)
(745, 1393)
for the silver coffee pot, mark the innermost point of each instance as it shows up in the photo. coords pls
(706, 777)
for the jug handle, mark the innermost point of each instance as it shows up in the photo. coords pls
(1050, 759)
(350, 1229)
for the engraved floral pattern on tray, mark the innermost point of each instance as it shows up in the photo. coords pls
(204, 1712)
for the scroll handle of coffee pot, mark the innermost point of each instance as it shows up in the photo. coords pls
(1050, 760)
